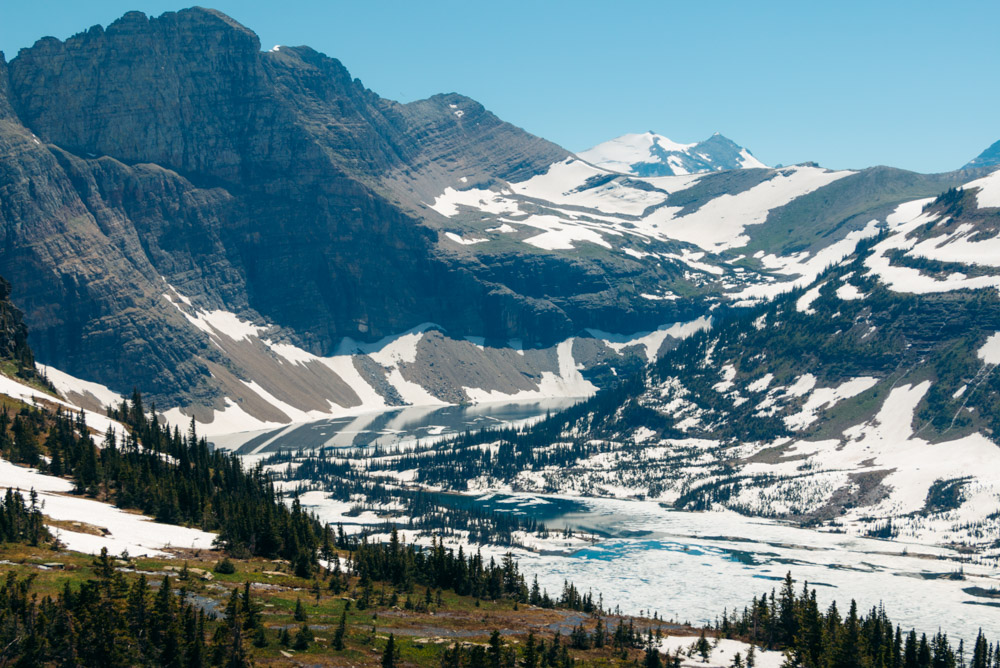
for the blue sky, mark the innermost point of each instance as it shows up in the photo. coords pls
(846, 84)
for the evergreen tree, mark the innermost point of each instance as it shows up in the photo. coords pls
(300, 612)
(389, 656)
(338, 635)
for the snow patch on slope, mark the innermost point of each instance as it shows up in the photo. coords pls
(989, 190)
(906, 219)
(33, 397)
(138, 534)
(620, 153)
(66, 384)
(826, 397)
(721, 223)
(990, 351)
(652, 341)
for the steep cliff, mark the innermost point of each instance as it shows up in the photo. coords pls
(171, 153)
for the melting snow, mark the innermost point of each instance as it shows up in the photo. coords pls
(65, 383)
(990, 352)
(849, 291)
(138, 534)
(721, 223)
(826, 397)
(804, 303)
(652, 341)
(989, 190)
(471, 241)
(907, 218)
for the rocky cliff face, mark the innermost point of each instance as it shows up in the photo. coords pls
(14, 334)
(171, 153)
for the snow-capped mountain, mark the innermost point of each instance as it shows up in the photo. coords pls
(345, 253)
(866, 400)
(650, 154)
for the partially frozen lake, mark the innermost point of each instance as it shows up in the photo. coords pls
(686, 566)
(392, 427)
(689, 566)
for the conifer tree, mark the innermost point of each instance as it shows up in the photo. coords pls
(338, 635)
(389, 656)
(300, 612)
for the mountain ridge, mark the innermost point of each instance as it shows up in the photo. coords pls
(210, 221)
(651, 154)
(988, 158)
(268, 185)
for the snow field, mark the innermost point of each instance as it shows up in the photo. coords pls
(722, 653)
(138, 534)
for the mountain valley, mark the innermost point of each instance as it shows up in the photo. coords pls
(300, 342)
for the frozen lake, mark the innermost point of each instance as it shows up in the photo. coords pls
(689, 566)
(389, 428)
(686, 566)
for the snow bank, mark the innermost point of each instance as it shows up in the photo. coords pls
(989, 190)
(722, 653)
(138, 534)
(34, 397)
(990, 352)
(721, 223)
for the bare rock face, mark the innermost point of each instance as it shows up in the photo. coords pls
(172, 153)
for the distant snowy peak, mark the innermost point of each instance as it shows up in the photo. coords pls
(650, 154)
(988, 158)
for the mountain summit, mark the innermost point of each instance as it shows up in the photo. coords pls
(650, 154)
(988, 158)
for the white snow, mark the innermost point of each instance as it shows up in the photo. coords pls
(65, 383)
(761, 383)
(721, 223)
(652, 341)
(471, 241)
(561, 235)
(138, 534)
(990, 352)
(33, 397)
(727, 373)
(907, 218)
(228, 420)
(502, 229)
(564, 183)
(721, 654)
(988, 195)
(849, 291)
(959, 246)
(825, 397)
(27, 479)
(807, 267)
(569, 382)
(448, 202)
(749, 162)
(621, 153)
(804, 303)
(216, 322)
(802, 386)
